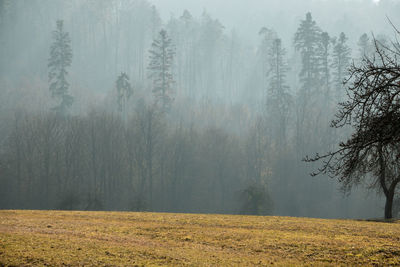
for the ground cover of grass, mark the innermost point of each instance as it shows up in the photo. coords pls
(56, 238)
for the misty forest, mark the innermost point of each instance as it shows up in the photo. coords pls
(231, 107)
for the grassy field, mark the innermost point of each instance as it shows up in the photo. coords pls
(57, 238)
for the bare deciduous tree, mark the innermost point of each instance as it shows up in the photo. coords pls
(373, 111)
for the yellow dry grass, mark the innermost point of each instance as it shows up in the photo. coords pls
(54, 238)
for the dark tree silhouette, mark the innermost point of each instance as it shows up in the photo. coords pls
(60, 59)
(341, 61)
(326, 43)
(307, 41)
(124, 92)
(161, 56)
(364, 45)
(279, 99)
(372, 153)
(256, 201)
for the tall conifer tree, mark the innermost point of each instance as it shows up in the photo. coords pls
(307, 41)
(364, 46)
(161, 57)
(341, 61)
(60, 59)
(279, 99)
(124, 92)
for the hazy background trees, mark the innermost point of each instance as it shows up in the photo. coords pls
(371, 109)
(248, 104)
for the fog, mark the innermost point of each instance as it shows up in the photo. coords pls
(180, 106)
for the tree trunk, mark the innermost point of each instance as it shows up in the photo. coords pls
(389, 192)
(389, 199)
(389, 205)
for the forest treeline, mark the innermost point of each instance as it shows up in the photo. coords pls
(98, 162)
(114, 109)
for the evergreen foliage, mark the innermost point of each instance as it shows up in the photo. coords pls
(60, 59)
(279, 98)
(160, 70)
(307, 40)
(365, 46)
(326, 44)
(341, 62)
(124, 92)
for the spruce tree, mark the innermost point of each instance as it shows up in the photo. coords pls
(155, 21)
(307, 41)
(341, 61)
(160, 70)
(279, 99)
(124, 92)
(364, 46)
(186, 17)
(326, 43)
(264, 51)
(60, 59)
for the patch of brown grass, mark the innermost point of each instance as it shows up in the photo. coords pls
(55, 238)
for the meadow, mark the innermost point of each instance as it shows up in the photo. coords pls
(65, 238)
